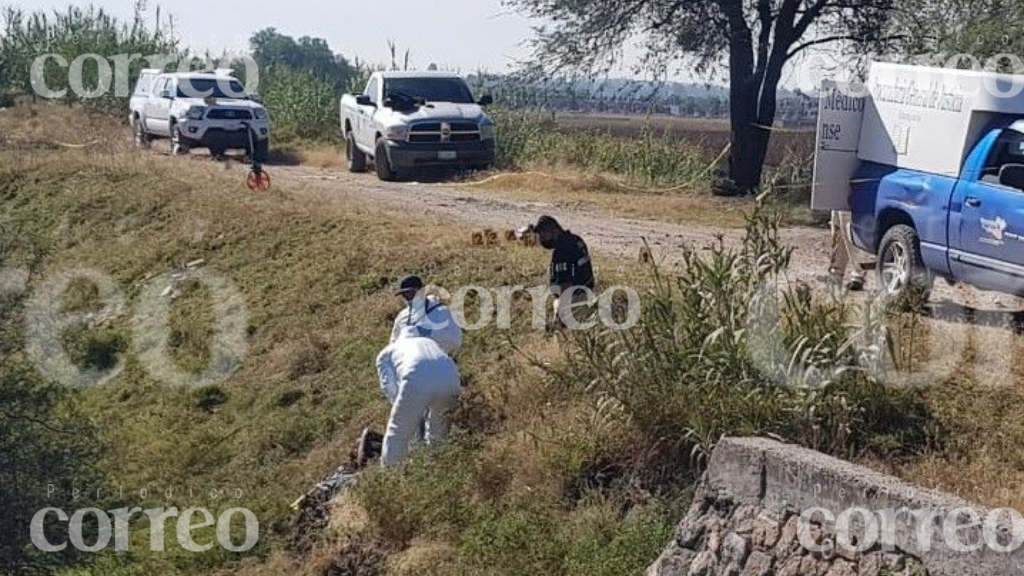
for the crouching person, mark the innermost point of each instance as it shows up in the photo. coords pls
(426, 313)
(426, 386)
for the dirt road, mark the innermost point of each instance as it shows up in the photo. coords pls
(603, 232)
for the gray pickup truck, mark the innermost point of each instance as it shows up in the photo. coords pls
(404, 121)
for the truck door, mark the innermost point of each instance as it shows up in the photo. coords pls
(365, 131)
(987, 216)
(141, 94)
(158, 110)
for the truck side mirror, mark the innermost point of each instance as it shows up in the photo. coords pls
(1012, 175)
(166, 94)
(364, 100)
(486, 100)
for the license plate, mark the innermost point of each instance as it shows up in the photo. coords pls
(447, 155)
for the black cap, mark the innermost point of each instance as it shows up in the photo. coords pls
(547, 223)
(409, 283)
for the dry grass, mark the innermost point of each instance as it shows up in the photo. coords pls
(422, 557)
(314, 281)
(568, 187)
(315, 154)
(712, 134)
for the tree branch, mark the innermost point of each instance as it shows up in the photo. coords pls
(664, 21)
(810, 15)
(819, 41)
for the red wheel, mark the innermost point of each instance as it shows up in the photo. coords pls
(258, 181)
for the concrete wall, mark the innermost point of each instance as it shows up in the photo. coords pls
(745, 519)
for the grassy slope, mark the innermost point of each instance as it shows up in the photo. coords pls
(316, 288)
(505, 502)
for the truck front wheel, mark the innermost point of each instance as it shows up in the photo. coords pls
(901, 269)
(142, 138)
(179, 145)
(381, 163)
(356, 157)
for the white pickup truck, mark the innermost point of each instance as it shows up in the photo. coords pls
(199, 110)
(408, 120)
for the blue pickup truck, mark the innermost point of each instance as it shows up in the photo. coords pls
(930, 162)
(966, 228)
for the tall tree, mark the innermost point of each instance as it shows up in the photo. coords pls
(938, 31)
(756, 38)
(272, 51)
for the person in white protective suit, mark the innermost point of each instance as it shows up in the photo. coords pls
(429, 315)
(427, 386)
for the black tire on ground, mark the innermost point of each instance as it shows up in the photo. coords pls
(900, 265)
(381, 163)
(142, 138)
(356, 157)
(178, 144)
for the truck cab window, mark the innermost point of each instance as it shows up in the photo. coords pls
(371, 91)
(453, 90)
(1008, 149)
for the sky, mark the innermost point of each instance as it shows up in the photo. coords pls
(463, 35)
(460, 35)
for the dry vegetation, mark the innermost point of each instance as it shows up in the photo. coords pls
(710, 133)
(317, 289)
(571, 457)
(659, 168)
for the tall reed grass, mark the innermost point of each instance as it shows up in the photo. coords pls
(533, 139)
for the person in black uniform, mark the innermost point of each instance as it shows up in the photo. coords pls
(571, 268)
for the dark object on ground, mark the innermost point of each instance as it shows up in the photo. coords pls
(314, 513)
(371, 446)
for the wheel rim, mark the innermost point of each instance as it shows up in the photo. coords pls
(895, 268)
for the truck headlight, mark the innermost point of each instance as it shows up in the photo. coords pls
(400, 132)
(487, 130)
(260, 114)
(196, 112)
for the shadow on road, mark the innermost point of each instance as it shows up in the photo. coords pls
(955, 312)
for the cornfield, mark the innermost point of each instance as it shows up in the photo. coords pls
(529, 138)
(69, 35)
(301, 106)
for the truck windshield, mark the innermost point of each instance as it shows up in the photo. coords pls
(452, 90)
(210, 87)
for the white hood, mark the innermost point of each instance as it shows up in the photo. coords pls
(443, 110)
(219, 103)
